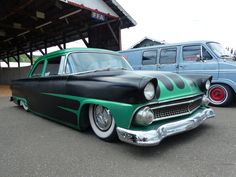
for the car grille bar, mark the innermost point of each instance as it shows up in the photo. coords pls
(176, 108)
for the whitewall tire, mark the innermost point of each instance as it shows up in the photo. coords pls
(102, 122)
(24, 105)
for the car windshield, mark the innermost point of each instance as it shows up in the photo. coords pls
(219, 50)
(93, 62)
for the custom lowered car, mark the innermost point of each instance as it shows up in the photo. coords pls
(98, 88)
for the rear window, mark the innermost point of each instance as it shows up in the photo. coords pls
(53, 65)
(38, 69)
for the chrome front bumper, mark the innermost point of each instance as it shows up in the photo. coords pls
(154, 137)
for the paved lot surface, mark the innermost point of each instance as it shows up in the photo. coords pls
(32, 146)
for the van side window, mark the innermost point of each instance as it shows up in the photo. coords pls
(168, 56)
(149, 57)
(53, 65)
(205, 54)
(38, 69)
(192, 53)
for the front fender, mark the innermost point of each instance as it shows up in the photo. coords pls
(121, 112)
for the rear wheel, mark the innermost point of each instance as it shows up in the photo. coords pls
(102, 122)
(220, 94)
(24, 105)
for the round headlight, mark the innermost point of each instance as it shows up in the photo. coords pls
(205, 100)
(144, 117)
(208, 84)
(149, 91)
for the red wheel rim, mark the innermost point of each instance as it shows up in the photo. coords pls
(217, 94)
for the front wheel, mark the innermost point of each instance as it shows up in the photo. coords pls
(102, 122)
(220, 95)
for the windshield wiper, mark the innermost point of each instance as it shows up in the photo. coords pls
(103, 69)
(120, 68)
(110, 69)
(224, 56)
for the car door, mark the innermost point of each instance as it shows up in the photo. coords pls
(167, 60)
(53, 101)
(32, 85)
(196, 59)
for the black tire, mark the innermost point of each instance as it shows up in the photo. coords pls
(103, 127)
(220, 94)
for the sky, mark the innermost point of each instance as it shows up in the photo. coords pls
(181, 20)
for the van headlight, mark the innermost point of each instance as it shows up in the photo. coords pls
(149, 91)
(207, 84)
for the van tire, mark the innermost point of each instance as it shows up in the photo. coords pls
(220, 95)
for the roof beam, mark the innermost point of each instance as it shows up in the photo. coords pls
(5, 61)
(113, 33)
(41, 51)
(14, 11)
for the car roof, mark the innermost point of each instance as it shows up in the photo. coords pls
(69, 50)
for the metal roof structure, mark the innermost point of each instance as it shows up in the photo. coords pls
(30, 25)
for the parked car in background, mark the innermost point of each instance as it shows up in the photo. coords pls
(84, 88)
(199, 57)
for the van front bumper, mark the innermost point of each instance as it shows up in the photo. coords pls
(154, 137)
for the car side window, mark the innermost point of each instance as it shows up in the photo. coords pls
(149, 57)
(68, 64)
(53, 65)
(192, 53)
(38, 70)
(168, 56)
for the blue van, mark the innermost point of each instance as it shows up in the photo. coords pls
(198, 57)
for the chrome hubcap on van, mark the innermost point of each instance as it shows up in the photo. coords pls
(217, 94)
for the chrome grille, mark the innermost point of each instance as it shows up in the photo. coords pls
(176, 108)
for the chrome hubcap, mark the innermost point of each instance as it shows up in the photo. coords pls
(102, 118)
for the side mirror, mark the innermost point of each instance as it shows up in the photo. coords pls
(200, 58)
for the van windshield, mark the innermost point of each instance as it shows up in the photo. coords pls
(219, 50)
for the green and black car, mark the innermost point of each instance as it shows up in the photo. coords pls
(84, 88)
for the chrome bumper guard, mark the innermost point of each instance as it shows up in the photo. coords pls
(154, 137)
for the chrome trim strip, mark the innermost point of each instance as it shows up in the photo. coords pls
(190, 96)
(160, 102)
(174, 104)
(177, 115)
(154, 137)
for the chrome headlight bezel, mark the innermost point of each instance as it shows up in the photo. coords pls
(205, 100)
(149, 91)
(144, 117)
(207, 84)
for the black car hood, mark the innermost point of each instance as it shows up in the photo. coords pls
(119, 85)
